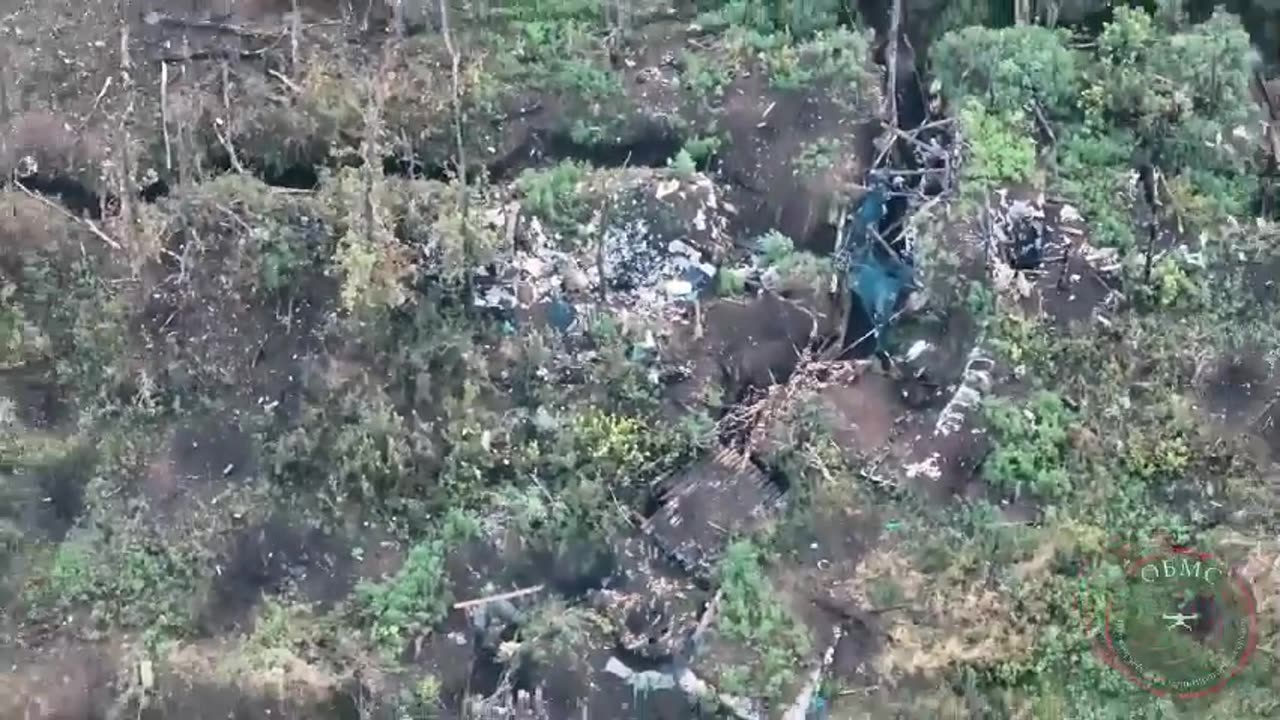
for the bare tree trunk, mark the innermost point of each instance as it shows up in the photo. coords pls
(5, 64)
(125, 159)
(295, 24)
(455, 99)
(164, 116)
(369, 149)
(891, 61)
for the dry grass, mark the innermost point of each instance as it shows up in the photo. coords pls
(948, 620)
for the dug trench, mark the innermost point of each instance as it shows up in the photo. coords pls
(268, 556)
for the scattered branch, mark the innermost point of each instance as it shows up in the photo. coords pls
(499, 597)
(891, 61)
(1044, 122)
(154, 18)
(455, 102)
(214, 54)
(295, 21)
(286, 81)
(89, 225)
(164, 115)
(231, 150)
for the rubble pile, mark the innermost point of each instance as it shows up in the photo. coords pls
(650, 250)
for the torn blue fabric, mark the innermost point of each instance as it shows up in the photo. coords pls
(876, 275)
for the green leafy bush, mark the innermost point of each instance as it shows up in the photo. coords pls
(355, 447)
(800, 18)
(1008, 68)
(1093, 170)
(752, 613)
(418, 596)
(817, 157)
(838, 59)
(1000, 148)
(701, 149)
(554, 195)
(126, 577)
(706, 77)
(730, 282)
(683, 165)
(1031, 445)
(774, 247)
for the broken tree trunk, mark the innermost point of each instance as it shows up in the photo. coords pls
(455, 103)
(891, 62)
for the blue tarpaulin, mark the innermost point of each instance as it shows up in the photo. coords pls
(875, 273)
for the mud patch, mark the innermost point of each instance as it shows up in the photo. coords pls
(66, 682)
(62, 492)
(275, 557)
(1236, 389)
(37, 399)
(864, 414)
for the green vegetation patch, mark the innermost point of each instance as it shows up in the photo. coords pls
(752, 613)
(1031, 444)
(1008, 68)
(1000, 146)
(418, 597)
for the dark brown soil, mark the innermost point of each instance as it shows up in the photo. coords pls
(272, 558)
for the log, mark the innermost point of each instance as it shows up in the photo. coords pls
(497, 598)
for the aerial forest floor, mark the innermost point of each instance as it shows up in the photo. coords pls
(422, 360)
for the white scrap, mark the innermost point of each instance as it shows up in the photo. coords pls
(679, 288)
(927, 467)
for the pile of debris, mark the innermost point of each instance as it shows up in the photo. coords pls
(650, 249)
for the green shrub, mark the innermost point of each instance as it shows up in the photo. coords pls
(1093, 170)
(817, 157)
(1008, 68)
(1000, 148)
(701, 149)
(683, 165)
(706, 77)
(752, 613)
(418, 597)
(1030, 446)
(774, 247)
(838, 58)
(800, 18)
(126, 577)
(554, 195)
(731, 282)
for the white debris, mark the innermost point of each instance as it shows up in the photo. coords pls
(927, 467)
(678, 288)
(917, 349)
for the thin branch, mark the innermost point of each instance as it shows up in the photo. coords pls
(90, 225)
(154, 18)
(295, 20)
(287, 82)
(215, 54)
(1044, 122)
(891, 60)
(455, 101)
(231, 151)
(164, 116)
(498, 598)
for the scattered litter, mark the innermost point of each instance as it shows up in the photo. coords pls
(927, 467)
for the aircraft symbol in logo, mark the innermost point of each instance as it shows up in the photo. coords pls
(1180, 620)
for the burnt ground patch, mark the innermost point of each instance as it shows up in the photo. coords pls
(37, 398)
(1236, 388)
(274, 557)
(61, 485)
